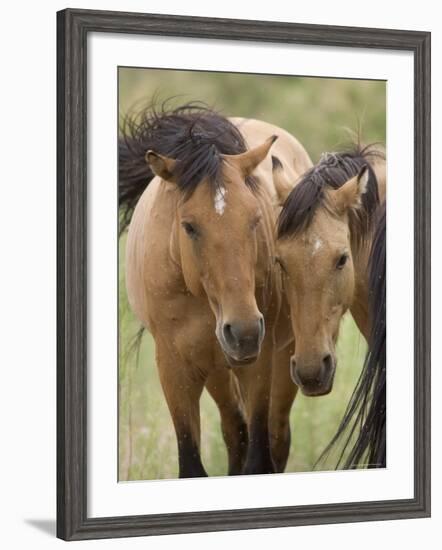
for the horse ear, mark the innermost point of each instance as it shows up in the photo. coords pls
(349, 195)
(161, 166)
(248, 161)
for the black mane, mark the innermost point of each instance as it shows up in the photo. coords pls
(332, 171)
(193, 134)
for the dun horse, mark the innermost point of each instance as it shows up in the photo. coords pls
(200, 273)
(325, 232)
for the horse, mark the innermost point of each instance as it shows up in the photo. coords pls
(197, 192)
(325, 230)
(365, 414)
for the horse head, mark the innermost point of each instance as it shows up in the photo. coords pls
(316, 251)
(219, 233)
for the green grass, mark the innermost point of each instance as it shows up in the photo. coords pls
(317, 111)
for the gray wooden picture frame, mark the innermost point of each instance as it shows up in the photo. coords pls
(73, 27)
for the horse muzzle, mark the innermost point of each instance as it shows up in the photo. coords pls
(241, 340)
(315, 379)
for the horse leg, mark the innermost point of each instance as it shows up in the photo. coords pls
(282, 396)
(222, 387)
(255, 382)
(182, 388)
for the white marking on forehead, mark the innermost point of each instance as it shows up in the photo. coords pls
(317, 245)
(220, 201)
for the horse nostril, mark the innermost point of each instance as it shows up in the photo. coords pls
(227, 330)
(244, 337)
(261, 325)
(327, 363)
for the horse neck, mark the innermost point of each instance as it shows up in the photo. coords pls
(268, 227)
(361, 255)
(379, 167)
(359, 307)
(268, 284)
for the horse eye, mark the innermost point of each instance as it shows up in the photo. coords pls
(342, 261)
(190, 230)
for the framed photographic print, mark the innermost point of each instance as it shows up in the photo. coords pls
(243, 217)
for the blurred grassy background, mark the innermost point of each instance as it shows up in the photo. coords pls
(318, 111)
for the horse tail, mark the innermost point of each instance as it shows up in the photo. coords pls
(134, 174)
(366, 409)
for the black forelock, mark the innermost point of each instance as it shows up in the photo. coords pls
(192, 134)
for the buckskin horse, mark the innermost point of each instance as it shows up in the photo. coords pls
(200, 273)
(325, 232)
